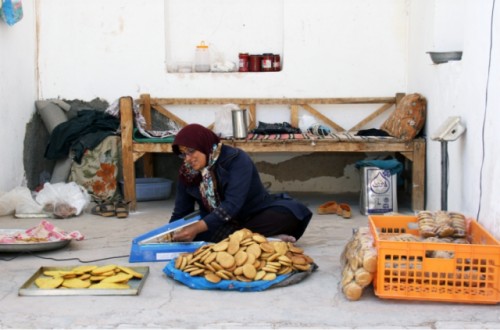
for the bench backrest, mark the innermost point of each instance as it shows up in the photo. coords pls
(310, 105)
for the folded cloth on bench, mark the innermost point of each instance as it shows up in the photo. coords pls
(286, 136)
(275, 128)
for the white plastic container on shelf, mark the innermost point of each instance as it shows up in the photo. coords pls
(202, 58)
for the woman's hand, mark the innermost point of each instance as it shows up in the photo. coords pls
(188, 233)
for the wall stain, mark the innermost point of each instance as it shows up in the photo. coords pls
(305, 167)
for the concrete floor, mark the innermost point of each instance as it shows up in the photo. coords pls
(316, 302)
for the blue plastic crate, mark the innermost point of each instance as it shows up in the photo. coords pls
(151, 189)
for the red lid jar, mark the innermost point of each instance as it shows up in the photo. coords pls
(267, 62)
(243, 62)
(254, 63)
(276, 62)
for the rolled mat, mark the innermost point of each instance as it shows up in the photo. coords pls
(52, 115)
(61, 170)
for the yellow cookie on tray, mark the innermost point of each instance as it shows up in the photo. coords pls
(130, 271)
(83, 269)
(48, 282)
(103, 270)
(58, 273)
(109, 285)
(76, 283)
(121, 277)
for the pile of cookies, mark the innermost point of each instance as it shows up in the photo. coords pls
(244, 256)
(88, 276)
(359, 262)
(441, 224)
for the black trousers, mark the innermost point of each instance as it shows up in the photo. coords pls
(270, 222)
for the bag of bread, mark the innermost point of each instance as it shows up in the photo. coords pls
(359, 263)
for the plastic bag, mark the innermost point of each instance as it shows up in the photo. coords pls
(306, 121)
(224, 121)
(200, 283)
(64, 200)
(18, 200)
(11, 11)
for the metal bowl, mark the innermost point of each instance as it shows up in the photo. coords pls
(29, 246)
(443, 57)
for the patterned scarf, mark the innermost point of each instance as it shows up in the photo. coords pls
(208, 185)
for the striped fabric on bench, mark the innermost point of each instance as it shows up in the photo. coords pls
(333, 137)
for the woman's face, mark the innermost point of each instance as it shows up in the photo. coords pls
(196, 159)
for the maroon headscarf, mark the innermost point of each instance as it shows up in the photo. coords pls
(197, 137)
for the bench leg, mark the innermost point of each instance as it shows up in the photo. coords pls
(418, 175)
(126, 125)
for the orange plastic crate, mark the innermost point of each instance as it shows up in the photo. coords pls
(470, 275)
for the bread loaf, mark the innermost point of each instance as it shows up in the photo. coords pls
(359, 262)
(352, 291)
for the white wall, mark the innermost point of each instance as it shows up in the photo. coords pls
(113, 48)
(17, 94)
(468, 89)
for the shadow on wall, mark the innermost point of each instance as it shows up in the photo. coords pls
(308, 166)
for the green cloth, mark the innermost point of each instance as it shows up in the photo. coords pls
(138, 137)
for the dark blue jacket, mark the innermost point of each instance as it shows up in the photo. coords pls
(241, 192)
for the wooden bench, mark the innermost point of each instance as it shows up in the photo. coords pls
(413, 151)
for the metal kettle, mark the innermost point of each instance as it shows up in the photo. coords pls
(240, 123)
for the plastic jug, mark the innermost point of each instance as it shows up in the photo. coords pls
(202, 58)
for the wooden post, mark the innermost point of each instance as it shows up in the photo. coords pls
(147, 159)
(127, 127)
(418, 175)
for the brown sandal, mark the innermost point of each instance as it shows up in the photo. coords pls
(328, 208)
(121, 209)
(105, 209)
(345, 210)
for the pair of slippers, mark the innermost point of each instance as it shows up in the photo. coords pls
(332, 207)
(118, 209)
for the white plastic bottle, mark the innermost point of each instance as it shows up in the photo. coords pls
(202, 58)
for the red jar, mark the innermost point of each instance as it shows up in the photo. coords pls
(243, 62)
(267, 62)
(276, 63)
(254, 63)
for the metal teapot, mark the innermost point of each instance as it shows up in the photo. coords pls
(240, 123)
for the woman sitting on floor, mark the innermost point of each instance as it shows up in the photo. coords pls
(225, 184)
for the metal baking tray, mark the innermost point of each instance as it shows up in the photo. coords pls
(29, 288)
(29, 247)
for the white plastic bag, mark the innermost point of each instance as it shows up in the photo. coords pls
(18, 200)
(224, 121)
(63, 199)
(306, 121)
